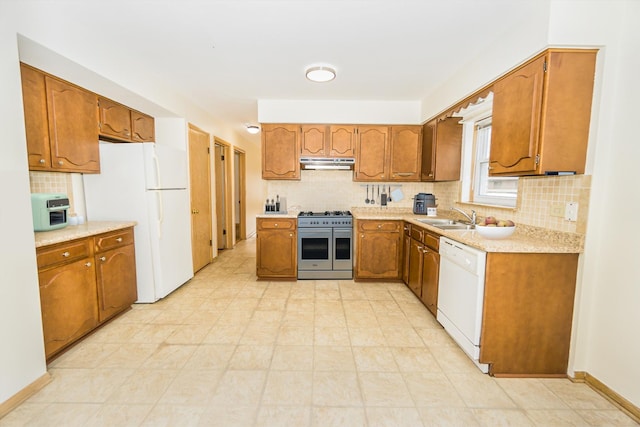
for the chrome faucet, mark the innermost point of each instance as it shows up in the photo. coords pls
(471, 218)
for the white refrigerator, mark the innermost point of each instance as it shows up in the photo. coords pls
(147, 183)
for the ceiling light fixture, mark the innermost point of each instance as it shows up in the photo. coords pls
(253, 129)
(320, 73)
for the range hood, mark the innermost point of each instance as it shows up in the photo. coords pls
(327, 163)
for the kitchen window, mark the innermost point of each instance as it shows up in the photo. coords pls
(477, 186)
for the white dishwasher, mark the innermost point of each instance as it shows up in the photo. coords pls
(461, 294)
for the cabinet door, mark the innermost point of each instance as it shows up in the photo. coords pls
(405, 153)
(116, 280)
(68, 303)
(415, 267)
(313, 140)
(143, 127)
(280, 152)
(378, 255)
(342, 141)
(372, 149)
(430, 272)
(517, 104)
(277, 248)
(428, 166)
(34, 98)
(73, 127)
(115, 119)
(405, 254)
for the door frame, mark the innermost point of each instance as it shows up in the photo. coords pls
(229, 223)
(242, 191)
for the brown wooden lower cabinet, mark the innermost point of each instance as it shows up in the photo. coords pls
(528, 312)
(378, 250)
(83, 283)
(277, 248)
(422, 264)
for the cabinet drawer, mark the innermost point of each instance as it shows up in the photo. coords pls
(114, 239)
(379, 225)
(417, 233)
(431, 240)
(49, 256)
(276, 224)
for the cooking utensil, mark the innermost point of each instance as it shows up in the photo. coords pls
(366, 201)
(378, 192)
(383, 197)
(389, 199)
(373, 195)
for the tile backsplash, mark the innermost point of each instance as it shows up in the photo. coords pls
(53, 182)
(537, 197)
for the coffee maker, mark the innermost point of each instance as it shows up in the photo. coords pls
(422, 201)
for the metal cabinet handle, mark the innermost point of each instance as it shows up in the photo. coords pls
(290, 234)
(65, 254)
(60, 162)
(119, 240)
(88, 264)
(103, 258)
(275, 225)
(362, 235)
(379, 225)
(42, 161)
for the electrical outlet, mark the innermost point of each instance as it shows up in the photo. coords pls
(571, 211)
(557, 210)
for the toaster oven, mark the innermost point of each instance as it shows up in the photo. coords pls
(49, 211)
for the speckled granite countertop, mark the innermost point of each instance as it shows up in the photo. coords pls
(72, 232)
(526, 239)
(291, 213)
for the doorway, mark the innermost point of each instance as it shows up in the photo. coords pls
(200, 183)
(239, 191)
(224, 194)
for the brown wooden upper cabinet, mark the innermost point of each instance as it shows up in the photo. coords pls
(372, 151)
(541, 114)
(327, 140)
(120, 123)
(441, 150)
(60, 124)
(388, 153)
(280, 151)
(405, 153)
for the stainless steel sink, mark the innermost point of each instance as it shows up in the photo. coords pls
(456, 226)
(446, 224)
(437, 221)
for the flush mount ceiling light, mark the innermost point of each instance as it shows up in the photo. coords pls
(320, 73)
(253, 129)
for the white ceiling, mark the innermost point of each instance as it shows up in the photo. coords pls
(225, 55)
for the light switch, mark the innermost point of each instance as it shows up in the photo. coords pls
(571, 211)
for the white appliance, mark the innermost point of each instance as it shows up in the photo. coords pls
(461, 295)
(147, 183)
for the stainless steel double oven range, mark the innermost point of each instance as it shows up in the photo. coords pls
(325, 245)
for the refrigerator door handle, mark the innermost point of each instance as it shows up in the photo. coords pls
(160, 213)
(156, 162)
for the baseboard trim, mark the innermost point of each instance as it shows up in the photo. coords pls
(15, 400)
(622, 403)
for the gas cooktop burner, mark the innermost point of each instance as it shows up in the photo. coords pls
(325, 213)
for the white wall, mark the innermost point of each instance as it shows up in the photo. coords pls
(606, 343)
(33, 35)
(22, 355)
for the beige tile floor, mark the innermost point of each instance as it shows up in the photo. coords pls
(227, 350)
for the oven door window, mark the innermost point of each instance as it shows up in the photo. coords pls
(342, 244)
(315, 245)
(315, 248)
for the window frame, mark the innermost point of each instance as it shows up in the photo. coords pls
(478, 114)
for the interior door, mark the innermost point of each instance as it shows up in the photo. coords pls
(239, 193)
(200, 179)
(221, 208)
